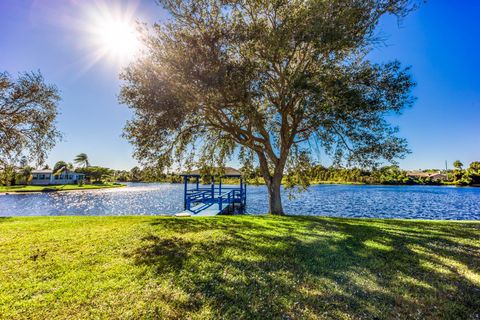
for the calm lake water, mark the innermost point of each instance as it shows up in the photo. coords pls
(415, 202)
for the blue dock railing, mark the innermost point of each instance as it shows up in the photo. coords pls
(225, 199)
(198, 198)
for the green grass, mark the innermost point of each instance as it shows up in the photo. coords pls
(238, 267)
(61, 187)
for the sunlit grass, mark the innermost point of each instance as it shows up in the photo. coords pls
(238, 267)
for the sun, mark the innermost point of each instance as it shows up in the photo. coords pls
(118, 39)
(112, 34)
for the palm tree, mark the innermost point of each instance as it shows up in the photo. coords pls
(458, 172)
(458, 165)
(82, 159)
(26, 173)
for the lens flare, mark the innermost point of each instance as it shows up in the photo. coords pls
(111, 33)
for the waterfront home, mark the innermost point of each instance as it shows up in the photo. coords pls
(434, 176)
(63, 176)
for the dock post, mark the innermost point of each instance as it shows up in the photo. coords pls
(213, 188)
(185, 192)
(245, 195)
(241, 191)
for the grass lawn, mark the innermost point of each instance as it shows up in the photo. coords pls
(61, 187)
(238, 267)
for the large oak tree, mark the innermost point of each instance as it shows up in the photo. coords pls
(273, 78)
(28, 109)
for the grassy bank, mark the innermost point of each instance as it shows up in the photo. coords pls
(61, 187)
(238, 267)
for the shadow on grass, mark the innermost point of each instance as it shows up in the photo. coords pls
(303, 267)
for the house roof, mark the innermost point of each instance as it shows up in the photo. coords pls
(49, 171)
(228, 172)
(43, 171)
(424, 174)
(438, 175)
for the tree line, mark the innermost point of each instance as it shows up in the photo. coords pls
(22, 174)
(468, 176)
(387, 175)
(312, 173)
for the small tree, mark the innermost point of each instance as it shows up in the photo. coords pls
(7, 176)
(458, 173)
(28, 109)
(273, 79)
(135, 174)
(26, 173)
(96, 173)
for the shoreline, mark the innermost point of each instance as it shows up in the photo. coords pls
(244, 215)
(332, 183)
(54, 189)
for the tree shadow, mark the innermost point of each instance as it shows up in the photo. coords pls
(165, 254)
(304, 267)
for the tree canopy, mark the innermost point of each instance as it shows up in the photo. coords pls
(28, 109)
(275, 80)
(95, 173)
(59, 165)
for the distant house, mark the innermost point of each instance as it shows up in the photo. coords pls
(439, 177)
(435, 176)
(64, 176)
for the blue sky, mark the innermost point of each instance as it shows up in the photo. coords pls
(440, 41)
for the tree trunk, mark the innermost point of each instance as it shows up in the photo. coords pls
(274, 184)
(274, 197)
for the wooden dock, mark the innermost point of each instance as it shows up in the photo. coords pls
(201, 211)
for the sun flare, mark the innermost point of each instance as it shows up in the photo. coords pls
(118, 39)
(112, 34)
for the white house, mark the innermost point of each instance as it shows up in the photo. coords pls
(46, 177)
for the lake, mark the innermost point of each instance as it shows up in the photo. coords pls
(413, 202)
